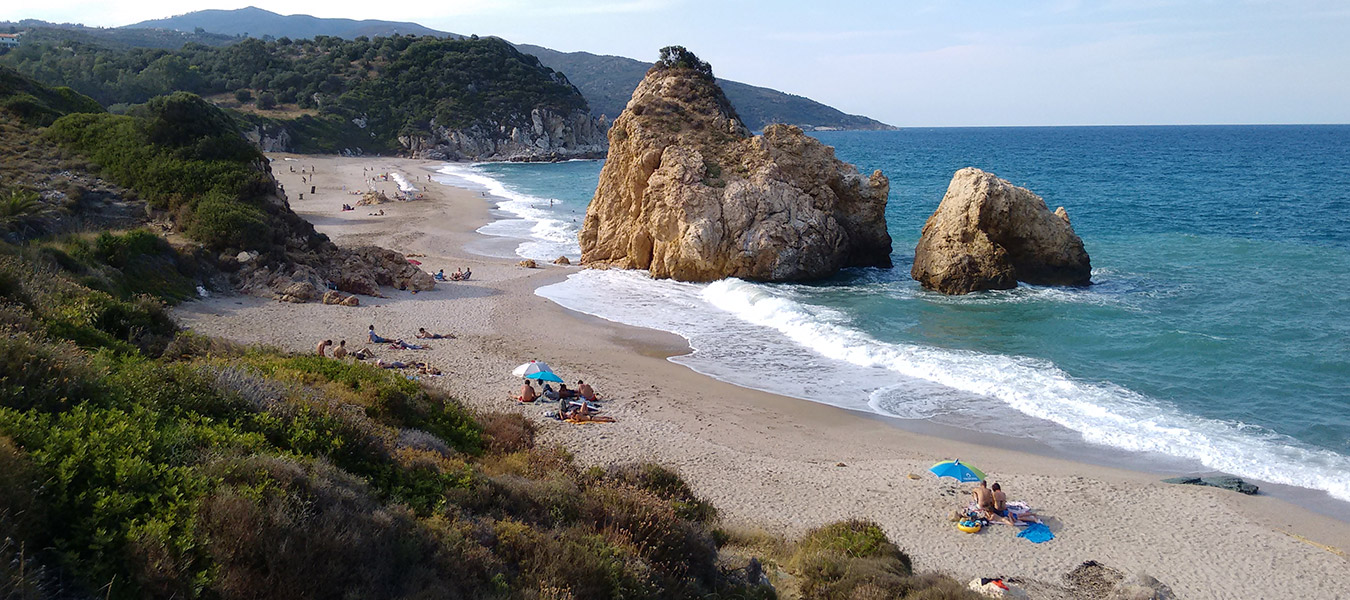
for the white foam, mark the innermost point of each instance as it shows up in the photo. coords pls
(543, 235)
(756, 336)
(403, 184)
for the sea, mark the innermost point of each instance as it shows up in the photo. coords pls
(1215, 337)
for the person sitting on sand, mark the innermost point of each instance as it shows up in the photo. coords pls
(984, 499)
(376, 339)
(322, 347)
(585, 391)
(549, 392)
(467, 273)
(440, 275)
(527, 393)
(565, 393)
(422, 333)
(1000, 506)
(341, 350)
(457, 275)
(363, 354)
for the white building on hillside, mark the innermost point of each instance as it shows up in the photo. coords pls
(9, 40)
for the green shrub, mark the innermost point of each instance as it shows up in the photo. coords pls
(110, 483)
(287, 529)
(42, 376)
(223, 222)
(853, 559)
(667, 484)
(676, 546)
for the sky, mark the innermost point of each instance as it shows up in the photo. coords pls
(925, 62)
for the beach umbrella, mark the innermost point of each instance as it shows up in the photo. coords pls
(534, 366)
(957, 470)
(544, 376)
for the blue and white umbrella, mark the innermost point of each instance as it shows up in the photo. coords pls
(534, 366)
(957, 470)
(545, 376)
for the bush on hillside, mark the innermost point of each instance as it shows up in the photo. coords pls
(678, 57)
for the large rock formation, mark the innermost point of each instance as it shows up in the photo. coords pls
(988, 234)
(689, 194)
(544, 135)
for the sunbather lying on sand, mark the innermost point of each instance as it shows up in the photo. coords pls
(390, 364)
(422, 333)
(402, 345)
(589, 419)
(426, 369)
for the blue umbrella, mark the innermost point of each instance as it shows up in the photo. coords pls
(545, 376)
(958, 471)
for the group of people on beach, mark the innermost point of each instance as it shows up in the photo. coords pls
(459, 275)
(340, 351)
(578, 404)
(992, 505)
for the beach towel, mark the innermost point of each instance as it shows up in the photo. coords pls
(1037, 533)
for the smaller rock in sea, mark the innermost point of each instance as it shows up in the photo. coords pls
(528, 264)
(562, 260)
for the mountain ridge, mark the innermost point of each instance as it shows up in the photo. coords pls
(253, 21)
(607, 81)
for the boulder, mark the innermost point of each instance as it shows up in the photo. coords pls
(528, 264)
(687, 193)
(298, 292)
(562, 260)
(988, 234)
(1140, 586)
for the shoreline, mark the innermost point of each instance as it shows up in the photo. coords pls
(766, 460)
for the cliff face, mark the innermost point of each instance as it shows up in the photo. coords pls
(689, 194)
(988, 234)
(544, 135)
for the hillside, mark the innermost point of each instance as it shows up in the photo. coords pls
(452, 98)
(609, 81)
(259, 23)
(606, 81)
(42, 31)
(138, 460)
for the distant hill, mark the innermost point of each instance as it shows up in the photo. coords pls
(114, 37)
(608, 82)
(256, 22)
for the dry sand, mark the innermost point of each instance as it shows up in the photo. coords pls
(767, 461)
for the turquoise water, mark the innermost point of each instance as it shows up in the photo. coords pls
(1217, 331)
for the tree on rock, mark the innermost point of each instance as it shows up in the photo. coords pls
(679, 57)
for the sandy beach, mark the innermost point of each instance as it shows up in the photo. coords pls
(766, 461)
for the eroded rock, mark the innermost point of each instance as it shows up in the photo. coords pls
(988, 234)
(689, 194)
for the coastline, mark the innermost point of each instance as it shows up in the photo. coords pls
(766, 460)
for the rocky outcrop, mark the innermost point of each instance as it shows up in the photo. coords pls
(269, 137)
(1226, 482)
(689, 194)
(988, 234)
(543, 135)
